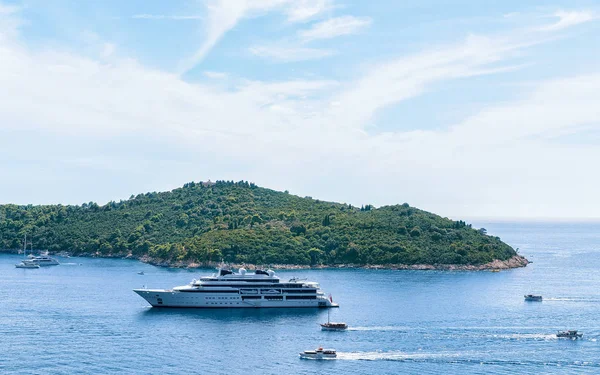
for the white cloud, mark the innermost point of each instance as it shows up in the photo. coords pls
(568, 19)
(306, 10)
(400, 79)
(288, 54)
(222, 16)
(509, 153)
(334, 27)
(166, 17)
(101, 131)
(215, 75)
(9, 22)
(511, 15)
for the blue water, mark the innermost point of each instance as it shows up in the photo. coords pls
(81, 317)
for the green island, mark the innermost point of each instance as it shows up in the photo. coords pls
(205, 223)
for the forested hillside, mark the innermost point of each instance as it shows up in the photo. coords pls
(242, 223)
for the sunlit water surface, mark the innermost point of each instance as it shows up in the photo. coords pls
(82, 317)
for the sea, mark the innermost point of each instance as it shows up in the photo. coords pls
(82, 317)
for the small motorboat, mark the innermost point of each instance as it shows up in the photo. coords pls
(571, 334)
(319, 353)
(533, 297)
(141, 273)
(27, 264)
(333, 326)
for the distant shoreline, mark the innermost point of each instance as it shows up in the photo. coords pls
(517, 261)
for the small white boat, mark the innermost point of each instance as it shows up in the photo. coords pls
(27, 264)
(571, 334)
(319, 353)
(533, 297)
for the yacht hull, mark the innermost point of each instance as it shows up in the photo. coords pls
(170, 298)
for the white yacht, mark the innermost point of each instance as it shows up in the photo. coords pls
(44, 260)
(227, 289)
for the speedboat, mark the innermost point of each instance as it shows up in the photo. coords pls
(27, 264)
(319, 353)
(533, 297)
(571, 334)
(141, 273)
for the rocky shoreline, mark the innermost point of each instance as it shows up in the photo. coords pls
(516, 261)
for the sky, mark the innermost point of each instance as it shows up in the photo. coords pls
(468, 109)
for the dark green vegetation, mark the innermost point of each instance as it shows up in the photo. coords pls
(243, 223)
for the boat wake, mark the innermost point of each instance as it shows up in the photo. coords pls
(394, 356)
(572, 299)
(524, 336)
(456, 358)
(450, 331)
(378, 328)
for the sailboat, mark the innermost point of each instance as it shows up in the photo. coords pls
(27, 263)
(333, 326)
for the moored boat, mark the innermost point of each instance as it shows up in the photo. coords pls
(570, 334)
(28, 261)
(533, 297)
(319, 353)
(44, 260)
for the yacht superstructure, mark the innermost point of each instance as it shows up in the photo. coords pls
(227, 289)
(44, 260)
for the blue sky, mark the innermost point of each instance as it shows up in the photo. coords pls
(464, 108)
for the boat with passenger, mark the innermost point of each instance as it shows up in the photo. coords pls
(319, 353)
(571, 334)
(242, 289)
(533, 298)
